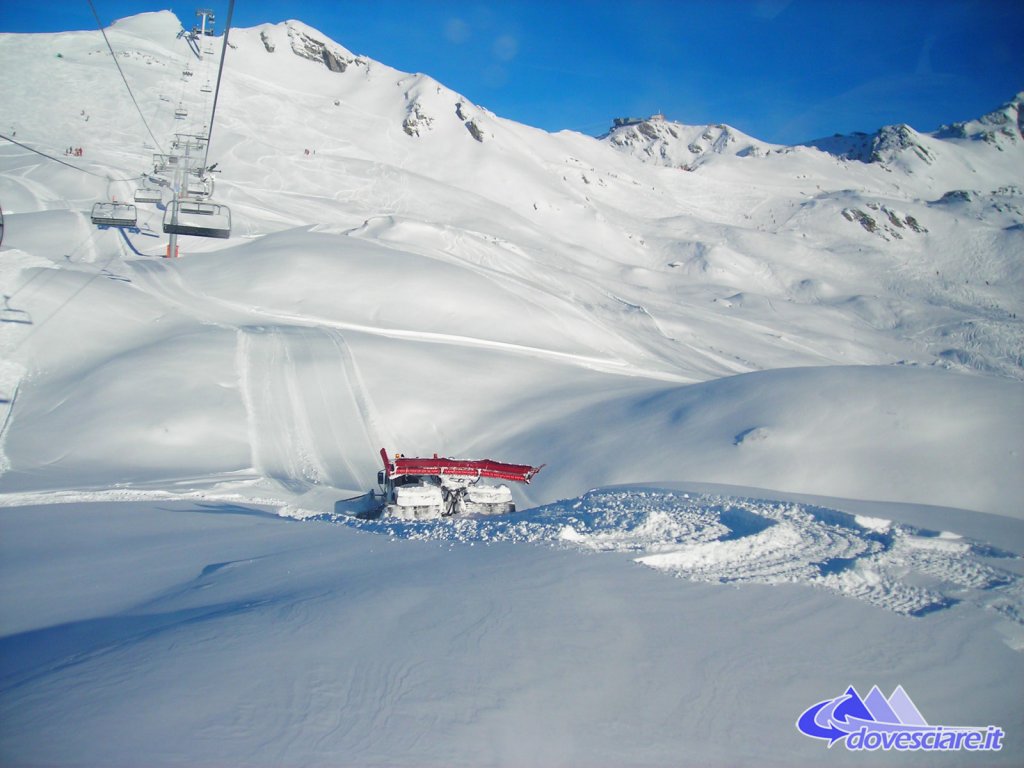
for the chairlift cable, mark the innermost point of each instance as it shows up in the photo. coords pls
(65, 162)
(62, 305)
(118, 65)
(220, 72)
(49, 273)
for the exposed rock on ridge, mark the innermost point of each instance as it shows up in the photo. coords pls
(663, 142)
(308, 47)
(1002, 125)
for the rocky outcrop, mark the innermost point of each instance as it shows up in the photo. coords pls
(888, 225)
(657, 140)
(893, 140)
(416, 119)
(308, 47)
(474, 130)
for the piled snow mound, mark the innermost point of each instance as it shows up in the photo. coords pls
(719, 539)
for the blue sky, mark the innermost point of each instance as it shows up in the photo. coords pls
(781, 70)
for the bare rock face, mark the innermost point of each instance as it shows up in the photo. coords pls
(416, 119)
(333, 63)
(474, 130)
(470, 122)
(308, 47)
(891, 228)
(267, 43)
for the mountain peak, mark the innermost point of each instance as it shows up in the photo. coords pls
(1003, 125)
(657, 140)
(883, 146)
(1002, 128)
(154, 24)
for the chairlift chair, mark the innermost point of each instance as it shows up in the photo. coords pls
(180, 113)
(164, 163)
(171, 163)
(189, 141)
(206, 87)
(200, 187)
(148, 194)
(114, 215)
(197, 218)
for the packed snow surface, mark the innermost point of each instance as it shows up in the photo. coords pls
(778, 392)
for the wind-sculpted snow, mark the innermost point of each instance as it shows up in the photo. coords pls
(729, 540)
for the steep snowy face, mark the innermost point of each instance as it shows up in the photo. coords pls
(663, 142)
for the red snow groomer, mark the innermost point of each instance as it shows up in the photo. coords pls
(417, 488)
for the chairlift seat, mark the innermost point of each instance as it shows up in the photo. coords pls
(114, 214)
(197, 218)
(11, 315)
(200, 188)
(197, 143)
(167, 163)
(148, 195)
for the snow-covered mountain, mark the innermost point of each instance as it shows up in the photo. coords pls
(741, 362)
(1002, 130)
(664, 142)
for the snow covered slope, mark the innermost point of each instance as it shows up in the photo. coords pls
(408, 270)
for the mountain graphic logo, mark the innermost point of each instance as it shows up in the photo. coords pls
(875, 722)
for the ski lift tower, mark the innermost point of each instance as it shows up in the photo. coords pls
(206, 15)
(199, 33)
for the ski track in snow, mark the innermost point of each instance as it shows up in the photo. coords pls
(305, 406)
(727, 540)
